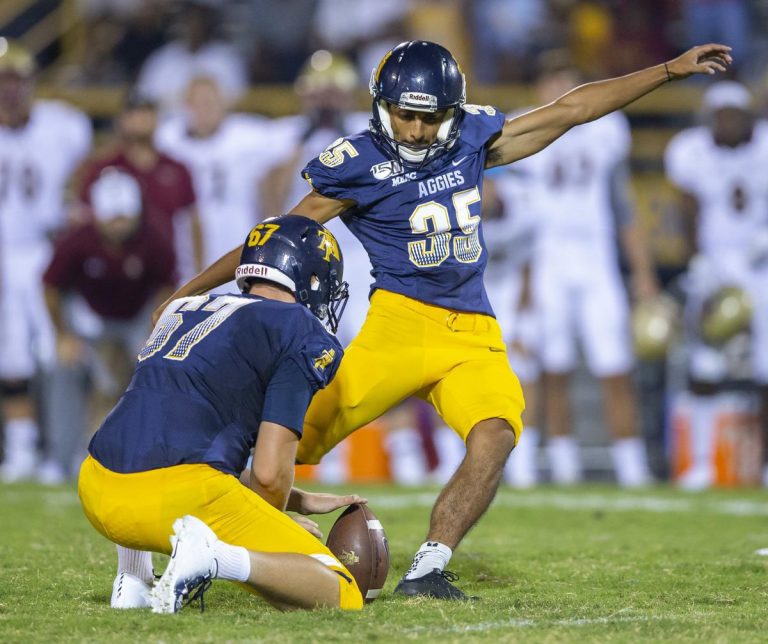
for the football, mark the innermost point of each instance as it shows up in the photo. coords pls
(358, 540)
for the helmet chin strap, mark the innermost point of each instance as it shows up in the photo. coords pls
(406, 152)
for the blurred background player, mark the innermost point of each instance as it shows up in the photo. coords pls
(228, 156)
(166, 184)
(195, 51)
(41, 143)
(724, 200)
(578, 187)
(101, 285)
(326, 87)
(368, 29)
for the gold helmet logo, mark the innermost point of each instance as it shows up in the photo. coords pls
(329, 244)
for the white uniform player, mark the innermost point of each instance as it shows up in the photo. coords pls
(228, 156)
(196, 51)
(36, 161)
(576, 281)
(719, 168)
(577, 288)
(732, 195)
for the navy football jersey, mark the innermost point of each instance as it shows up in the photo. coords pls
(212, 370)
(421, 228)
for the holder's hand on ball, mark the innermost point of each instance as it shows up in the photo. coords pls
(320, 502)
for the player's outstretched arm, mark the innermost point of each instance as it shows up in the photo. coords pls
(320, 208)
(535, 130)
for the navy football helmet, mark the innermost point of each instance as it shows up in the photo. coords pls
(301, 255)
(421, 76)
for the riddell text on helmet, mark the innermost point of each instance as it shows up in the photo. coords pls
(252, 270)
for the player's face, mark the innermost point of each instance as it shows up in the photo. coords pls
(418, 129)
(138, 125)
(15, 93)
(732, 126)
(206, 108)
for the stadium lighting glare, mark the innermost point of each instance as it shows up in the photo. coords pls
(321, 60)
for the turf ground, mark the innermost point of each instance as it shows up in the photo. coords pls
(593, 564)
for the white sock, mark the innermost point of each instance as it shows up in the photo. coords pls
(703, 412)
(431, 555)
(20, 439)
(564, 460)
(406, 456)
(234, 562)
(630, 462)
(521, 470)
(135, 562)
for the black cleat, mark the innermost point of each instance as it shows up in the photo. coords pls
(435, 584)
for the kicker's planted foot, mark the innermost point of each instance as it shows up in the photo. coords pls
(437, 584)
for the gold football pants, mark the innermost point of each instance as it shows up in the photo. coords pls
(138, 510)
(457, 361)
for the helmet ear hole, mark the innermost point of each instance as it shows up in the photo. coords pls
(314, 282)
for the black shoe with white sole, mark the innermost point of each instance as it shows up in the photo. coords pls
(436, 584)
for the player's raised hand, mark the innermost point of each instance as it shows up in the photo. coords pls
(703, 59)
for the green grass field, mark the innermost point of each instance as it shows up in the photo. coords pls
(592, 564)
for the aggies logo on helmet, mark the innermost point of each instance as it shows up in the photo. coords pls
(328, 244)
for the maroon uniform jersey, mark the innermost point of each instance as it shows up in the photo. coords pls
(117, 282)
(166, 188)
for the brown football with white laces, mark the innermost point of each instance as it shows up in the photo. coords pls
(358, 541)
